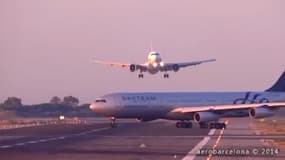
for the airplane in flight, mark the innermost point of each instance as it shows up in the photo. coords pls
(154, 65)
(205, 108)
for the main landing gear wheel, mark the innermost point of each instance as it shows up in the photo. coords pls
(184, 125)
(113, 122)
(215, 125)
(204, 125)
(140, 75)
(166, 75)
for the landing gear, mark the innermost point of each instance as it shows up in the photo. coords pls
(217, 126)
(166, 75)
(204, 125)
(183, 124)
(214, 125)
(113, 122)
(140, 75)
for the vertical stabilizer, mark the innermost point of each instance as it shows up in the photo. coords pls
(151, 49)
(279, 86)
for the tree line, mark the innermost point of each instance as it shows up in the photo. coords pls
(68, 106)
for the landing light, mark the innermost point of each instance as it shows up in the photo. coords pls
(155, 64)
(161, 64)
(61, 117)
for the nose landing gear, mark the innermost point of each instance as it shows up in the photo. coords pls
(113, 122)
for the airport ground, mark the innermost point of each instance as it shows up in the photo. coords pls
(94, 139)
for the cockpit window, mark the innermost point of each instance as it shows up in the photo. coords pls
(100, 101)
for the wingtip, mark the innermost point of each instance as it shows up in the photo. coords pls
(211, 60)
(94, 61)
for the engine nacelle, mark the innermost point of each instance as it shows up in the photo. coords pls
(132, 67)
(205, 116)
(175, 67)
(260, 112)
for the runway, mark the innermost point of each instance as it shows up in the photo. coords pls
(130, 140)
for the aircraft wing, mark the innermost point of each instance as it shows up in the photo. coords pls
(176, 66)
(122, 65)
(192, 109)
(113, 64)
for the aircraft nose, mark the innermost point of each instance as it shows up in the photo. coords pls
(93, 107)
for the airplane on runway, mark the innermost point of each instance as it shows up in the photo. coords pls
(205, 108)
(154, 65)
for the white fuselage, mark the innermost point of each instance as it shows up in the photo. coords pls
(154, 62)
(160, 105)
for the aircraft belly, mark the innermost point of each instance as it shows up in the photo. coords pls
(152, 70)
(236, 113)
(139, 111)
(179, 116)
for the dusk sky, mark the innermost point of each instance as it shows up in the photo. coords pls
(46, 46)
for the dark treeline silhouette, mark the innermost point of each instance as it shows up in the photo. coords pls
(69, 106)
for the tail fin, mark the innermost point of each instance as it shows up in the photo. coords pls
(151, 49)
(279, 86)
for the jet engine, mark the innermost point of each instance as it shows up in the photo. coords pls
(205, 116)
(132, 67)
(260, 112)
(175, 67)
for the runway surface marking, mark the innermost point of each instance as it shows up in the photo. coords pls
(5, 146)
(53, 139)
(218, 140)
(192, 154)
